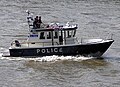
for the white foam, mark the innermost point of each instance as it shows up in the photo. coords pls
(50, 58)
(3, 51)
(1, 54)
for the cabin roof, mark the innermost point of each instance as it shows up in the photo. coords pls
(51, 29)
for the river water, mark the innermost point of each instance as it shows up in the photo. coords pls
(96, 19)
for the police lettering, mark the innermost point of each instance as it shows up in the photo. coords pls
(49, 50)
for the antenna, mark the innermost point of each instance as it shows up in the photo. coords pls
(29, 18)
(111, 36)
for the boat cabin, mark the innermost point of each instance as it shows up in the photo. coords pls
(51, 37)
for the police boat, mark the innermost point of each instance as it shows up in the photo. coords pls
(57, 39)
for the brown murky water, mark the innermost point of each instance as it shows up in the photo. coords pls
(96, 18)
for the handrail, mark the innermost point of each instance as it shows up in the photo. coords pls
(34, 42)
(28, 43)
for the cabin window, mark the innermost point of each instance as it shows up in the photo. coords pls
(60, 33)
(74, 33)
(60, 37)
(68, 34)
(55, 34)
(48, 35)
(42, 36)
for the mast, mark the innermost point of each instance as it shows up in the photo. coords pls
(29, 18)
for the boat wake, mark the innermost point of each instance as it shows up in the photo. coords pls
(49, 58)
(3, 51)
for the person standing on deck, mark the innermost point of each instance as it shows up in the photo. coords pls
(35, 23)
(39, 22)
